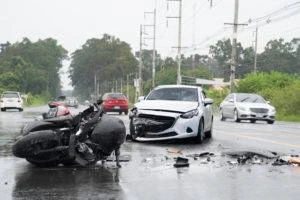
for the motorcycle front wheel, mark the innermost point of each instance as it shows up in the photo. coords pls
(40, 148)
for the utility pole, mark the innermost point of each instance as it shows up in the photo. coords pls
(127, 91)
(153, 38)
(255, 53)
(233, 53)
(234, 39)
(193, 36)
(154, 51)
(139, 86)
(179, 41)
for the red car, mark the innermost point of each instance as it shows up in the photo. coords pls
(115, 102)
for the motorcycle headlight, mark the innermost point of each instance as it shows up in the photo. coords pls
(189, 114)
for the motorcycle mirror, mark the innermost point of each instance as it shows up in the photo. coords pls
(99, 101)
(44, 115)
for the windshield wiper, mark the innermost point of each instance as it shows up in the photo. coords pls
(245, 99)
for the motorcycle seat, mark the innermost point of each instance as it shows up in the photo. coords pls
(60, 120)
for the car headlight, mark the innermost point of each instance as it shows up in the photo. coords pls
(189, 114)
(243, 108)
(272, 110)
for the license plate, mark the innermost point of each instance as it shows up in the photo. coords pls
(117, 107)
(259, 115)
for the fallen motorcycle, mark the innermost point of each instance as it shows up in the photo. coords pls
(83, 139)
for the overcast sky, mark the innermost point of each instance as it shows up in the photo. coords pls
(72, 22)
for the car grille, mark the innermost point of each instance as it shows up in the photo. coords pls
(259, 110)
(147, 135)
(164, 122)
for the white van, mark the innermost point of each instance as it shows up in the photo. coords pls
(11, 100)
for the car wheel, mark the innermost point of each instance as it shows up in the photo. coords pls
(236, 116)
(120, 113)
(20, 109)
(126, 112)
(222, 116)
(270, 122)
(252, 121)
(200, 136)
(3, 109)
(208, 134)
(132, 131)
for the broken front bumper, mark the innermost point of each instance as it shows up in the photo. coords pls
(149, 127)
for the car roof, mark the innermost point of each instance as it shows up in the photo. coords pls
(178, 86)
(10, 92)
(245, 93)
(114, 93)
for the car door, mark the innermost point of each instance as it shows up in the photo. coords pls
(226, 105)
(207, 112)
(230, 106)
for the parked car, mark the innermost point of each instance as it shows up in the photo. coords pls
(246, 106)
(172, 112)
(11, 100)
(72, 102)
(115, 102)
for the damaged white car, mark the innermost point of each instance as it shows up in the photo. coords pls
(172, 112)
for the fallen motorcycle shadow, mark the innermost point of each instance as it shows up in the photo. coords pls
(94, 182)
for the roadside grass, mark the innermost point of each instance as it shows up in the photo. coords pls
(35, 100)
(289, 118)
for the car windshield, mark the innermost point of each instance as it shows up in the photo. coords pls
(10, 95)
(249, 98)
(174, 94)
(116, 96)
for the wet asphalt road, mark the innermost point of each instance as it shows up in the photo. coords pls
(150, 173)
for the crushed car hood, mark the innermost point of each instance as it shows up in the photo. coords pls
(163, 105)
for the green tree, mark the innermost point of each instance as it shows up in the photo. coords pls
(280, 56)
(107, 58)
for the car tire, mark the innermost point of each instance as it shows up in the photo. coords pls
(131, 131)
(208, 134)
(3, 109)
(20, 109)
(120, 113)
(222, 116)
(252, 121)
(126, 112)
(270, 122)
(236, 116)
(200, 135)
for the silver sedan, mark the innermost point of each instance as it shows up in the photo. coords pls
(245, 106)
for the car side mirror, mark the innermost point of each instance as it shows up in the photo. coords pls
(207, 101)
(141, 98)
(99, 101)
(268, 102)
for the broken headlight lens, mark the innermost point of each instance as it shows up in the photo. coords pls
(189, 114)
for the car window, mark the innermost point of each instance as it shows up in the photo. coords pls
(10, 95)
(175, 94)
(116, 96)
(249, 98)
